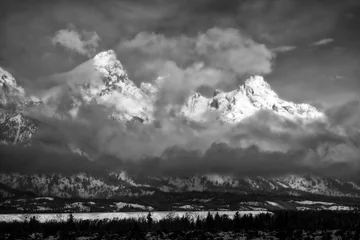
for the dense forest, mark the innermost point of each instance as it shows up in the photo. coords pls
(284, 223)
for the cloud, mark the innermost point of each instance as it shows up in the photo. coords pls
(271, 21)
(25, 32)
(190, 53)
(228, 49)
(282, 49)
(35, 159)
(264, 144)
(346, 114)
(216, 58)
(322, 42)
(275, 144)
(84, 42)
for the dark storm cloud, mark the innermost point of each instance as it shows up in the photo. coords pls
(271, 146)
(242, 162)
(36, 159)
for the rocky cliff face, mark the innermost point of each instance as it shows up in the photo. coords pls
(15, 127)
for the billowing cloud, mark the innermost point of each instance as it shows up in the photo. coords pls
(275, 144)
(227, 49)
(190, 53)
(81, 42)
(216, 58)
(264, 145)
(322, 42)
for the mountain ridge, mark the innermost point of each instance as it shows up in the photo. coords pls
(135, 105)
(120, 184)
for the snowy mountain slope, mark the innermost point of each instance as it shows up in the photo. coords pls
(120, 184)
(291, 184)
(104, 80)
(73, 186)
(14, 126)
(10, 92)
(107, 83)
(245, 101)
(119, 90)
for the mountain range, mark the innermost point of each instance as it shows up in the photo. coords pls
(133, 106)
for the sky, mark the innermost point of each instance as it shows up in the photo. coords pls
(316, 42)
(307, 50)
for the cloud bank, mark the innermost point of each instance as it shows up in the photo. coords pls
(216, 58)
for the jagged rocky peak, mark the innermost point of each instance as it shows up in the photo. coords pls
(112, 71)
(257, 86)
(254, 95)
(148, 88)
(108, 65)
(119, 92)
(195, 107)
(10, 92)
(113, 74)
(6, 79)
(217, 92)
(14, 127)
(257, 82)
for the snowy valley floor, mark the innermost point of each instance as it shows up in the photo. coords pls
(196, 234)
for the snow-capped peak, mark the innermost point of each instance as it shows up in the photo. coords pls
(256, 85)
(119, 91)
(7, 79)
(254, 95)
(256, 81)
(111, 69)
(104, 60)
(9, 90)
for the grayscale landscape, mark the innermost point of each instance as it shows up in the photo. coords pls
(202, 119)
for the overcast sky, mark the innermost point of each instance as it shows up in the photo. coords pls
(316, 42)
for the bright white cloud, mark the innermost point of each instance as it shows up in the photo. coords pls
(84, 42)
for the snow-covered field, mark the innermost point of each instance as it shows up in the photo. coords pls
(121, 205)
(45, 217)
(307, 202)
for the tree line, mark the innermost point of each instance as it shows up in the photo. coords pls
(276, 221)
